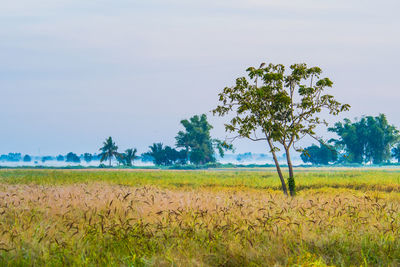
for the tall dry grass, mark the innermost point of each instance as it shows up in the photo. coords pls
(99, 223)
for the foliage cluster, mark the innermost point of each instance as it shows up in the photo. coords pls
(11, 157)
(27, 158)
(320, 155)
(396, 152)
(72, 157)
(109, 150)
(166, 156)
(196, 143)
(369, 139)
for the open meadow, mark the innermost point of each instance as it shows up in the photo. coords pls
(199, 218)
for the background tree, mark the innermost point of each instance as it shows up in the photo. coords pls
(396, 152)
(108, 151)
(367, 140)
(319, 155)
(87, 157)
(353, 139)
(27, 158)
(164, 156)
(96, 157)
(145, 157)
(120, 157)
(130, 156)
(197, 142)
(72, 157)
(15, 157)
(174, 156)
(278, 107)
(183, 140)
(157, 153)
(47, 158)
(382, 137)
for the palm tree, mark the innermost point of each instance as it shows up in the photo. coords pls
(130, 156)
(108, 151)
(120, 158)
(157, 152)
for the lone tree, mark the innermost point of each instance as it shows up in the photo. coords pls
(108, 151)
(278, 107)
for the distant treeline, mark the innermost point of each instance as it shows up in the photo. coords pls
(194, 145)
(145, 157)
(369, 140)
(70, 157)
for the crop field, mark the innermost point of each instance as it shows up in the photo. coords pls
(199, 218)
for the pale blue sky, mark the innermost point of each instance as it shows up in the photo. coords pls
(74, 72)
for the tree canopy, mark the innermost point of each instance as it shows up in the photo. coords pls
(108, 150)
(319, 155)
(27, 158)
(87, 157)
(164, 156)
(72, 157)
(197, 142)
(369, 139)
(129, 156)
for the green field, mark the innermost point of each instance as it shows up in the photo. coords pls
(199, 218)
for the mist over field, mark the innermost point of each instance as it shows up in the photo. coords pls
(258, 159)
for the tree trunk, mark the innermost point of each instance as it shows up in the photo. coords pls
(291, 183)
(109, 162)
(278, 168)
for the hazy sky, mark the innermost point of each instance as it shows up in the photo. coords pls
(75, 72)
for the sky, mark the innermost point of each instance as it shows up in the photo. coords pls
(75, 72)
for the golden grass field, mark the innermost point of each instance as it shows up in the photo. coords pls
(198, 218)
